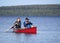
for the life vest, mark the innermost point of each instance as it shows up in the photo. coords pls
(27, 25)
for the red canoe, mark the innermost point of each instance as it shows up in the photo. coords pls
(32, 30)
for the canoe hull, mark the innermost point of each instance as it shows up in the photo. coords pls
(32, 30)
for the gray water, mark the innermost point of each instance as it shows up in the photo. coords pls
(48, 30)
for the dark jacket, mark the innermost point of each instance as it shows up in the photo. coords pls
(18, 24)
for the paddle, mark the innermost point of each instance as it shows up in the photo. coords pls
(8, 29)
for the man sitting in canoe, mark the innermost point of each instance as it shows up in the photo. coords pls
(27, 23)
(17, 24)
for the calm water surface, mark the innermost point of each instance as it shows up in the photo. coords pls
(48, 30)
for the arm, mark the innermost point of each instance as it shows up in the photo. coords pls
(30, 23)
(24, 24)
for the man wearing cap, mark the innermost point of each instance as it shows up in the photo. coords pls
(27, 23)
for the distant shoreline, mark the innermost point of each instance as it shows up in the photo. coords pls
(31, 10)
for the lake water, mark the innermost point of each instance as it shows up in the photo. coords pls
(48, 30)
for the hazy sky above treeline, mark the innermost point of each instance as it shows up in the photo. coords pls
(27, 2)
